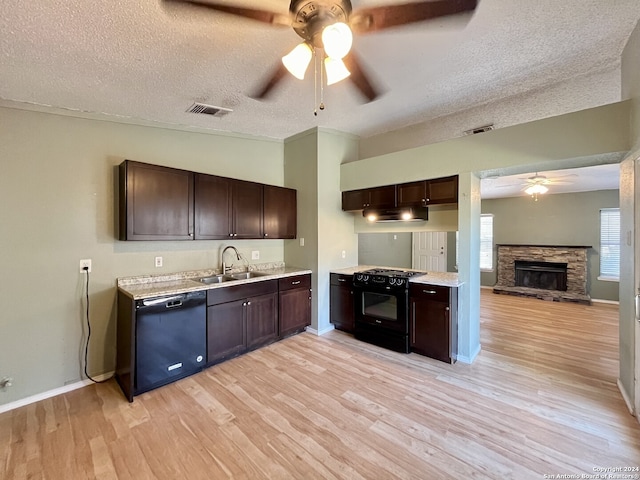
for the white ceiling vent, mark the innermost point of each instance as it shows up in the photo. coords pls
(205, 109)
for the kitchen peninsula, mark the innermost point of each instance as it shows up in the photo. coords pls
(400, 309)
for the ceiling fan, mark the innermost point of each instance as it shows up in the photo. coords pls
(328, 25)
(539, 184)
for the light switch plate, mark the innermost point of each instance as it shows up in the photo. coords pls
(301, 241)
(255, 255)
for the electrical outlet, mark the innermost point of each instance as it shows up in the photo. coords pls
(255, 255)
(85, 264)
(344, 254)
(301, 241)
(158, 261)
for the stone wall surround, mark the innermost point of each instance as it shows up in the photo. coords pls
(574, 256)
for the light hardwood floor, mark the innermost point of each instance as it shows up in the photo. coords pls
(541, 398)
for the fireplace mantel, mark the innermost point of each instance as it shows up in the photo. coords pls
(575, 256)
(543, 246)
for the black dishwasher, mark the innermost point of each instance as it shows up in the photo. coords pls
(170, 339)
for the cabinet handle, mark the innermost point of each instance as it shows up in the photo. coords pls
(446, 309)
(413, 323)
(248, 303)
(429, 291)
(231, 234)
(341, 280)
(295, 283)
(266, 234)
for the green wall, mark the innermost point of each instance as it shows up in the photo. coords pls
(58, 205)
(561, 219)
(312, 166)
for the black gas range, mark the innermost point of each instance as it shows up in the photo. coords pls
(381, 298)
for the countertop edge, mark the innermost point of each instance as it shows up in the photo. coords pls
(186, 285)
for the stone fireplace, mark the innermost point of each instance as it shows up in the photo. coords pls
(548, 272)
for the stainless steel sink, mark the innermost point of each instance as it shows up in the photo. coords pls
(216, 279)
(245, 275)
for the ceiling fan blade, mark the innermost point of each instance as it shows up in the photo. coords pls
(264, 16)
(266, 89)
(366, 20)
(360, 78)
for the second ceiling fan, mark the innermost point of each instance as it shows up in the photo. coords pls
(329, 25)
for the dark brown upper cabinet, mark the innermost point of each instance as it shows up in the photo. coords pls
(377, 197)
(280, 212)
(227, 208)
(428, 192)
(156, 203)
(443, 190)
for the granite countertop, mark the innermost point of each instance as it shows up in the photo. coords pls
(146, 286)
(443, 279)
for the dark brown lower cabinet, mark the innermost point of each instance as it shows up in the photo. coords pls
(433, 321)
(295, 304)
(342, 313)
(241, 318)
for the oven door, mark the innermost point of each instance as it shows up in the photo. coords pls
(382, 307)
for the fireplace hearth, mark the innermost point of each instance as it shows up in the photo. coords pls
(548, 272)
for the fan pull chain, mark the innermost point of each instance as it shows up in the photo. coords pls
(315, 82)
(321, 85)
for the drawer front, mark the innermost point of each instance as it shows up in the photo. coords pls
(340, 279)
(297, 281)
(231, 293)
(436, 293)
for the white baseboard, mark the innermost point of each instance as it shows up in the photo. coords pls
(52, 393)
(626, 397)
(610, 302)
(321, 332)
(469, 360)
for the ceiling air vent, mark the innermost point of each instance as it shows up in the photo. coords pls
(212, 110)
(474, 131)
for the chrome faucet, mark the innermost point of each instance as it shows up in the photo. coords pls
(226, 269)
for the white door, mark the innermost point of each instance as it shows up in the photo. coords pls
(430, 251)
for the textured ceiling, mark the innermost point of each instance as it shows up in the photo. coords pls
(139, 60)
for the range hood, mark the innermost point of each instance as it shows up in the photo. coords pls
(405, 214)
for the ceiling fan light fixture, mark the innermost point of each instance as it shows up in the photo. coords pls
(336, 70)
(537, 189)
(297, 61)
(337, 40)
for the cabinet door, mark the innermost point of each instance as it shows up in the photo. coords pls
(382, 197)
(355, 200)
(443, 190)
(262, 320)
(212, 207)
(342, 307)
(280, 212)
(413, 194)
(156, 203)
(226, 334)
(430, 328)
(246, 209)
(295, 310)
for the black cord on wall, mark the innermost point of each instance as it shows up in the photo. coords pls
(86, 348)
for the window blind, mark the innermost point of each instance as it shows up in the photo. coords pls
(610, 242)
(486, 242)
